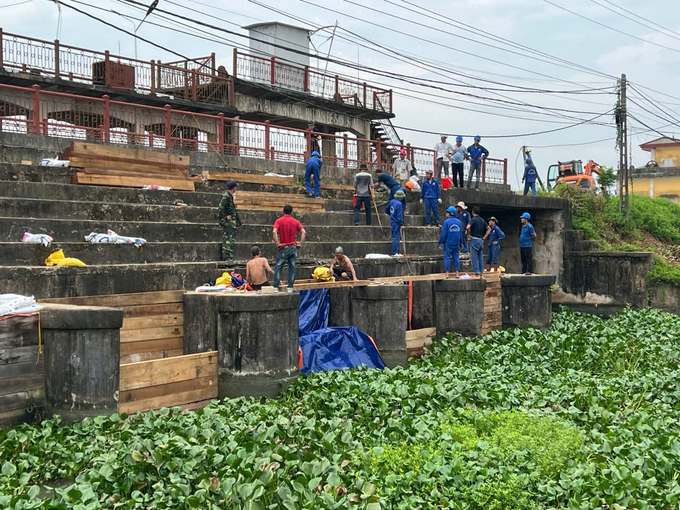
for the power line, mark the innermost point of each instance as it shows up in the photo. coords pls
(645, 19)
(16, 3)
(632, 19)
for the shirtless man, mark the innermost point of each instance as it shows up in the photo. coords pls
(257, 269)
(342, 267)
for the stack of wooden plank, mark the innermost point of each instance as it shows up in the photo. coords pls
(417, 340)
(275, 201)
(249, 178)
(493, 312)
(107, 165)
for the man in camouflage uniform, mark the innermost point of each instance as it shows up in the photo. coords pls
(229, 221)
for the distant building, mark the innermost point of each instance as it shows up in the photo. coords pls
(660, 177)
(267, 39)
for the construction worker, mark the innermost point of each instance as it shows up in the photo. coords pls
(449, 239)
(285, 237)
(458, 162)
(257, 269)
(313, 167)
(444, 151)
(431, 196)
(464, 217)
(529, 178)
(342, 267)
(526, 238)
(229, 220)
(477, 230)
(476, 154)
(363, 181)
(396, 211)
(496, 235)
(401, 168)
(388, 182)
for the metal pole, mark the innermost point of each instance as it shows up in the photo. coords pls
(624, 115)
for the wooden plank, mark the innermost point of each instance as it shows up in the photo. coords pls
(136, 335)
(144, 346)
(153, 321)
(152, 310)
(169, 390)
(416, 334)
(250, 178)
(330, 285)
(131, 182)
(123, 300)
(18, 416)
(18, 355)
(170, 174)
(21, 400)
(169, 400)
(337, 187)
(23, 383)
(102, 166)
(18, 332)
(124, 154)
(165, 371)
(148, 356)
(21, 369)
(291, 198)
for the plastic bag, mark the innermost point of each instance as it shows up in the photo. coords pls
(237, 280)
(272, 174)
(447, 183)
(211, 288)
(376, 256)
(112, 238)
(225, 279)
(58, 259)
(43, 239)
(323, 274)
(416, 184)
(156, 187)
(54, 162)
(137, 241)
(13, 304)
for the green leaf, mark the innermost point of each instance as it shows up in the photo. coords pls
(8, 469)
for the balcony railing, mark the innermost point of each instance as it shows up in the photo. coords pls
(273, 72)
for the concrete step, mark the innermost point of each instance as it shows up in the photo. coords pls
(66, 209)
(10, 172)
(589, 245)
(13, 229)
(572, 238)
(20, 254)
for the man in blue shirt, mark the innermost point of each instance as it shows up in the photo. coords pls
(476, 154)
(526, 236)
(396, 211)
(388, 181)
(457, 162)
(313, 167)
(452, 231)
(496, 235)
(464, 218)
(529, 179)
(431, 196)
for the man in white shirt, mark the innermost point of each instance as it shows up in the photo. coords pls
(444, 151)
(401, 168)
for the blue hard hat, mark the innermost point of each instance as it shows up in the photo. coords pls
(451, 209)
(526, 215)
(478, 138)
(459, 138)
(315, 153)
(528, 160)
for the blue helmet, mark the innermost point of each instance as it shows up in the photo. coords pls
(526, 215)
(459, 138)
(478, 138)
(528, 160)
(315, 153)
(451, 209)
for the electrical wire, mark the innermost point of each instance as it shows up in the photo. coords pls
(633, 20)
(642, 18)
(15, 4)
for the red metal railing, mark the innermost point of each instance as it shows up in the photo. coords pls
(36, 111)
(303, 79)
(195, 80)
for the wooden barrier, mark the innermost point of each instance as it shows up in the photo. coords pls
(493, 311)
(417, 340)
(186, 381)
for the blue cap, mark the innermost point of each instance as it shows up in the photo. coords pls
(315, 153)
(478, 138)
(528, 160)
(232, 184)
(526, 215)
(451, 209)
(459, 138)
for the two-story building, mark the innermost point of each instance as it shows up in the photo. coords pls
(660, 177)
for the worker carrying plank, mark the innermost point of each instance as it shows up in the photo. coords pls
(449, 239)
(229, 221)
(342, 267)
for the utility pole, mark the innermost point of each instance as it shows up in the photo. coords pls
(526, 153)
(622, 125)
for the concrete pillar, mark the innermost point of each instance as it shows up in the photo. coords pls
(381, 311)
(82, 360)
(527, 300)
(459, 306)
(200, 322)
(340, 313)
(422, 311)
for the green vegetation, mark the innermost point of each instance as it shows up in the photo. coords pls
(584, 415)
(654, 225)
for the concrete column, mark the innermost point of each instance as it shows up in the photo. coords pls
(200, 322)
(381, 311)
(422, 311)
(527, 300)
(459, 306)
(82, 360)
(340, 313)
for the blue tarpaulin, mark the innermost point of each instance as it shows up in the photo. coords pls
(325, 348)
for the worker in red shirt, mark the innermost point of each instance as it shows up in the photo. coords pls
(285, 237)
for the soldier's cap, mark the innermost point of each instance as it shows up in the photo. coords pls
(232, 184)
(400, 194)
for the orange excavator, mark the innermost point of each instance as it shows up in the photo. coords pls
(573, 173)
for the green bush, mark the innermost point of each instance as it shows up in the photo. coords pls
(663, 272)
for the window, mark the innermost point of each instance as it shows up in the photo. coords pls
(668, 162)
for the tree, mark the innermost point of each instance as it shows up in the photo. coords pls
(606, 179)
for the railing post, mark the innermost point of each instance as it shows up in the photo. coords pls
(212, 60)
(232, 98)
(153, 76)
(45, 127)
(107, 118)
(505, 170)
(272, 155)
(1, 60)
(159, 84)
(365, 95)
(344, 150)
(56, 58)
(235, 63)
(168, 127)
(390, 100)
(273, 71)
(337, 86)
(409, 153)
(194, 85)
(483, 170)
(107, 63)
(36, 109)
(266, 139)
(220, 133)
(378, 156)
(305, 83)
(186, 80)
(308, 137)
(434, 163)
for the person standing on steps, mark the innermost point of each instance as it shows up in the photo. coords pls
(401, 168)
(285, 237)
(449, 239)
(496, 235)
(478, 230)
(431, 196)
(342, 267)
(444, 151)
(313, 168)
(363, 182)
(529, 178)
(389, 182)
(526, 238)
(229, 220)
(464, 217)
(396, 211)
(458, 162)
(476, 154)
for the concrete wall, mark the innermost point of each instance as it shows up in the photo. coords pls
(657, 187)
(665, 296)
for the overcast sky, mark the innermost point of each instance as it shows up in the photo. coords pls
(441, 48)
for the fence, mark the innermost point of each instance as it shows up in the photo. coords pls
(195, 80)
(303, 79)
(36, 111)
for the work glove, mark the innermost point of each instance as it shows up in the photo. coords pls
(421, 200)
(439, 200)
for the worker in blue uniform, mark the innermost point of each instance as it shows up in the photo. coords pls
(449, 239)
(496, 235)
(431, 196)
(464, 218)
(396, 211)
(529, 178)
(313, 167)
